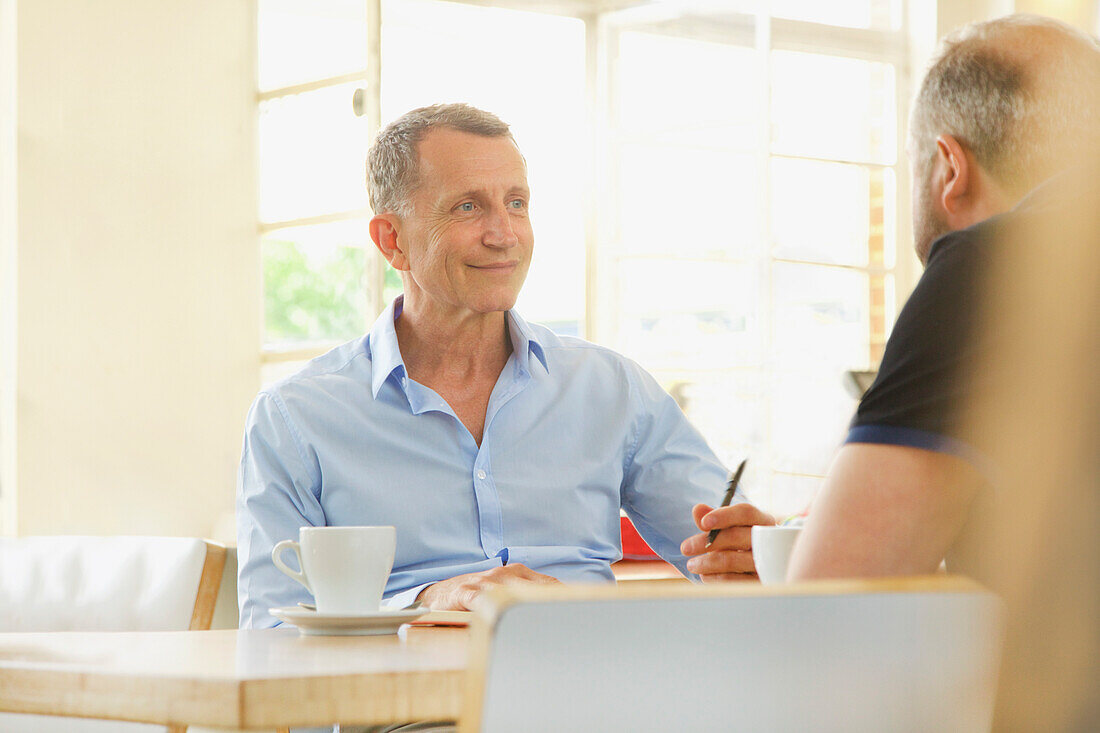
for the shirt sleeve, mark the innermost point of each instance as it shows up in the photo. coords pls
(925, 377)
(670, 469)
(275, 497)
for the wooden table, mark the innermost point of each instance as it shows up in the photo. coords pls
(236, 679)
(247, 679)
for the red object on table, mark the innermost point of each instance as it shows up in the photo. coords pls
(634, 547)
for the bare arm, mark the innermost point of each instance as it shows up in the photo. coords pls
(884, 510)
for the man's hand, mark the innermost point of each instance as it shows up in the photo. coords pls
(730, 557)
(459, 592)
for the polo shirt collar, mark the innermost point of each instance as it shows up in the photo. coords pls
(385, 352)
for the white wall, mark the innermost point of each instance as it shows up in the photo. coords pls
(7, 259)
(137, 309)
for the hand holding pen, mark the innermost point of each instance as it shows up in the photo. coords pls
(723, 550)
(731, 489)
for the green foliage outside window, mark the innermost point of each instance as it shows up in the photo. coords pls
(313, 297)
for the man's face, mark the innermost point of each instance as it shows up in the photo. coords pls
(468, 239)
(928, 225)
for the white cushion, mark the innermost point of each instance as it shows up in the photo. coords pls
(96, 584)
(99, 583)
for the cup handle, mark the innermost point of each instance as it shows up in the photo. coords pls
(276, 558)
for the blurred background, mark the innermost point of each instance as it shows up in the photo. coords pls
(719, 192)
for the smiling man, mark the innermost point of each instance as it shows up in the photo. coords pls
(500, 451)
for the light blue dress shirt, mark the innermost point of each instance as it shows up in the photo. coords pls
(573, 432)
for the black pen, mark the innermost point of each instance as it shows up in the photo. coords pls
(730, 491)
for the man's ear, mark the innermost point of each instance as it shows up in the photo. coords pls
(384, 232)
(953, 181)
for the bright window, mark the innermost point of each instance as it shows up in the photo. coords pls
(714, 189)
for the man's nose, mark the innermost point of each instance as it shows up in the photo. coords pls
(500, 230)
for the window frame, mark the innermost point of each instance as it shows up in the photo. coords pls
(764, 34)
(602, 19)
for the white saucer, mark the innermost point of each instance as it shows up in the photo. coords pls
(313, 623)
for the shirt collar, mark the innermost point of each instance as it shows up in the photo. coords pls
(524, 342)
(385, 352)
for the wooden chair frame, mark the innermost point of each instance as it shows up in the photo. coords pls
(209, 584)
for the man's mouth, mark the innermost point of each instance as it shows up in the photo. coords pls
(498, 266)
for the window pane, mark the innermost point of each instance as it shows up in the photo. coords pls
(810, 415)
(391, 286)
(527, 68)
(672, 198)
(313, 152)
(314, 283)
(884, 209)
(730, 408)
(833, 107)
(304, 41)
(699, 314)
(661, 97)
(821, 328)
(821, 317)
(786, 494)
(516, 64)
(820, 211)
(553, 294)
(847, 13)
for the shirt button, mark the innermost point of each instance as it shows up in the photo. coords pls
(481, 475)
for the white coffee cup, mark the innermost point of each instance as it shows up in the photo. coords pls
(345, 568)
(771, 551)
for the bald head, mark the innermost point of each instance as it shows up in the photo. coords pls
(1021, 93)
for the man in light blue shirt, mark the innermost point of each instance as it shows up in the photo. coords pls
(500, 451)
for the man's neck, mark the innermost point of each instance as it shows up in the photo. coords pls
(452, 347)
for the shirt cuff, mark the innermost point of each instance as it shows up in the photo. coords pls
(404, 599)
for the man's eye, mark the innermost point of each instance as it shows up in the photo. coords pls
(517, 203)
(468, 206)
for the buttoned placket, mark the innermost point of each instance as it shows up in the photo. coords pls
(490, 518)
(490, 515)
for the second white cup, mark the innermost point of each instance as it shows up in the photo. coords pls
(771, 551)
(345, 568)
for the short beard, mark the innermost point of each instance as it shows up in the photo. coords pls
(927, 225)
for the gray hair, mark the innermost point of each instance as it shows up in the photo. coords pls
(1022, 93)
(393, 172)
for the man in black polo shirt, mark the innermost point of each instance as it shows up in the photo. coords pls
(1003, 112)
(1002, 116)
